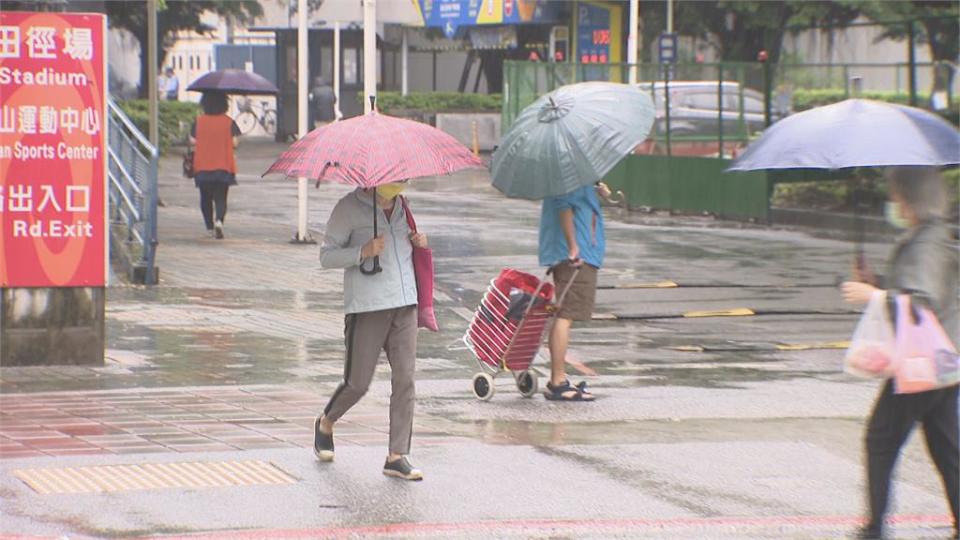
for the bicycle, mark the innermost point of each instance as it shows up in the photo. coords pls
(247, 118)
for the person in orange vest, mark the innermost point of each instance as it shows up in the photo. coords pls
(214, 137)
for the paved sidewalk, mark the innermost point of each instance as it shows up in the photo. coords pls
(708, 425)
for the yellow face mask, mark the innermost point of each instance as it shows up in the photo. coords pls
(390, 191)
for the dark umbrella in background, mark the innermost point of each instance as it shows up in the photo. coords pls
(234, 81)
(856, 133)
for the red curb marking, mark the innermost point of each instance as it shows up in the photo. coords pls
(544, 525)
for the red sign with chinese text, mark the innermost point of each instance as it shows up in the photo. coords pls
(53, 229)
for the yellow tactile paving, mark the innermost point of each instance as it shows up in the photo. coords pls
(649, 285)
(736, 312)
(113, 478)
(813, 346)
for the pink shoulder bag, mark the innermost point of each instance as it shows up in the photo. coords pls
(423, 269)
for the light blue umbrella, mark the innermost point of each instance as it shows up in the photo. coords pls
(571, 138)
(853, 133)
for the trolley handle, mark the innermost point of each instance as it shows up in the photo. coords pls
(576, 263)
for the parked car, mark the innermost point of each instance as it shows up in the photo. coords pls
(695, 109)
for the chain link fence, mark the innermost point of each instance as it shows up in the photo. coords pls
(714, 110)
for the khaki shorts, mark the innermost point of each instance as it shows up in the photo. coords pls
(578, 304)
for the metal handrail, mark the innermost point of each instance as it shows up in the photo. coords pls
(126, 174)
(132, 129)
(133, 188)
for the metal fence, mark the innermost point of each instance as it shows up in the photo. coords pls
(715, 109)
(132, 173)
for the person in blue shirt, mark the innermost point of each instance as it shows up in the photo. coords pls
(571, 239)
(173, 85)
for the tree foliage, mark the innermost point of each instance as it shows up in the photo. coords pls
(172, 17)
(935, 23)
(740, 29)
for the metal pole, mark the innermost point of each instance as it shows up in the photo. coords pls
(720, 107)
(669, 16)
(912, 59)
(336, 70)
(632, 39)
(369, 53)
(666, 107)
(404, 66)
(767, 92)
(303, 72)
(152, 68)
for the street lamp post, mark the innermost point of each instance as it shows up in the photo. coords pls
(152, 69)
(336, 70)
(632, 39)
(369, 53)
(303, 67)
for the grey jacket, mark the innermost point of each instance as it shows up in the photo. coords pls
(350, 227)
(924, 264)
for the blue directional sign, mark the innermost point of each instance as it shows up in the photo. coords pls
(450, 15)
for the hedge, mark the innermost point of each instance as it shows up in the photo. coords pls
(389, 102)
(836, 195)
(804, 99)
(175, 119)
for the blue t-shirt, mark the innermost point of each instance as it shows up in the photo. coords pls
(587, 222)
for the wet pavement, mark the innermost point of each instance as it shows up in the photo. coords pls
(715, 353)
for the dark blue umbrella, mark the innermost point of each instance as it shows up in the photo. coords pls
(234, 81)
(853, 133)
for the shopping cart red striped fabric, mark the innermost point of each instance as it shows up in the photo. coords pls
(498, 333)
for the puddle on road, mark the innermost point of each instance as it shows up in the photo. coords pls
(549, 434)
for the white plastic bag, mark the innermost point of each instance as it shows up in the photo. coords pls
(872, 351)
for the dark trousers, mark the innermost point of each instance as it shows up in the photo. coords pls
(366, 334)
(213, 195)
(893, 418)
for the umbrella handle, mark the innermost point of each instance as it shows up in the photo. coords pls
(372, 271)
(376, 258)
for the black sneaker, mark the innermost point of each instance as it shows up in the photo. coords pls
(868, 532)
(322, 443)
(401, 468)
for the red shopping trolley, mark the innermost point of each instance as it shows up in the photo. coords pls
(507, 329)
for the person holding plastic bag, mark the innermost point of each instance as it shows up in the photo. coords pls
(923, 266)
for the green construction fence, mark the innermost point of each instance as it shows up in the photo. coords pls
(692, 185)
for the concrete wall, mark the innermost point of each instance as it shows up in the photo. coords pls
(57, 326)
(461, 127)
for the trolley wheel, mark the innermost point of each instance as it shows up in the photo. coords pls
(483, 387)
(527, 383)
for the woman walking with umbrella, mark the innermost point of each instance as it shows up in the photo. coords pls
(923, 265)
(912, 143)
(214, 136)
(381, 313)
(388, 272)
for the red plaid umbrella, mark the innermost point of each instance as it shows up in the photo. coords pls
(372, 150)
